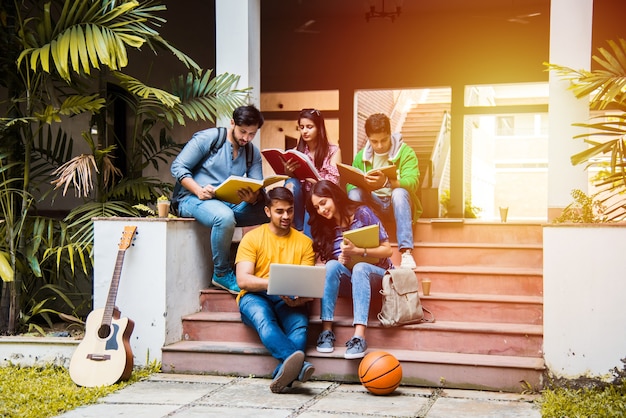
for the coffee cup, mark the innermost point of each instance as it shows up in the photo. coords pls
(164, 209)
(426, 286)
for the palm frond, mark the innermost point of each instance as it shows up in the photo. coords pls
(143, 91)
(76, 172)
(140, 190)
(79, 220)
(76, 104)
(203, 97)
(87, 35)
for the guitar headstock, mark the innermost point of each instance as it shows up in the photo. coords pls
(127, 237)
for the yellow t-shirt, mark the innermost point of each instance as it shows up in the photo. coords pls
(262, 247)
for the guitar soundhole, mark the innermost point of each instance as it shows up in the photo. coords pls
(104, 331)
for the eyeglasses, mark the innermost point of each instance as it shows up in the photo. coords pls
(313, 111)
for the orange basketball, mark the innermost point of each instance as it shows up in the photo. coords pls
(380, 372)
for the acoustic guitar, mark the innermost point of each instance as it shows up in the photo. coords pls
(104, 356)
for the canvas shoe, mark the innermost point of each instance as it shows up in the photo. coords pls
(325, 342)
(306, 372)
(288, 372)
(407, 261)
(356, 348)
(227, 282)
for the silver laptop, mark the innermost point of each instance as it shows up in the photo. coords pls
(296, 280)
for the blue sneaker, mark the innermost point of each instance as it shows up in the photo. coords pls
(356, 348)
(227, 282)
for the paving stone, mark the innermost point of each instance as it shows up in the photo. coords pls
(477, 408)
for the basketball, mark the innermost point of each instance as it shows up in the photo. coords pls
(380, 372)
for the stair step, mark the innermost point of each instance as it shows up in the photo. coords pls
(486, 295)
(445, 336)
(447, 230)
(483, 279)
(455, 254)
(469, 307)
(420, 368)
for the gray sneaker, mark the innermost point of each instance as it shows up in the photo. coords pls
(325, 342)
(356, 348)
(288, 372)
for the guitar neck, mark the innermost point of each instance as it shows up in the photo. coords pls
(115, 281)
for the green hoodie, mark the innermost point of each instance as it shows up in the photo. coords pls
(404, 158)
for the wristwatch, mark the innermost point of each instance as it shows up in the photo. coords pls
(364, 252)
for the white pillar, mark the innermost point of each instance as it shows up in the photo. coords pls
(238, 45)
(570, 45)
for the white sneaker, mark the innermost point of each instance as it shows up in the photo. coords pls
(407, 261)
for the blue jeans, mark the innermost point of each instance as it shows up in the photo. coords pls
(360, 277)
(398, 206)
(282, 329)
(300, 214)
(222, 217)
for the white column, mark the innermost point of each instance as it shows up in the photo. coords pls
(238, 45)
(570, 45)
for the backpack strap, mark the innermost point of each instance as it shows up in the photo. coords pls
(215, 146)
(249, 155)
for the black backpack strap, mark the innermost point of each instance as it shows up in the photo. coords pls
(249, 155)
(221, 138)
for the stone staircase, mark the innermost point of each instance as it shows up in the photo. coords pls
(486, 296)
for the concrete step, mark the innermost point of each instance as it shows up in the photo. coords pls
(445, 336)
(446, 230)
(419, 368)
(486, 295)
(449, 306)
(478, 254)
(483, 279)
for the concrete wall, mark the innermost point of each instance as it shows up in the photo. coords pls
(162, 275)
(584, 297)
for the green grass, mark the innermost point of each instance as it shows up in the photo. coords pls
(40, 392)
(599, 402)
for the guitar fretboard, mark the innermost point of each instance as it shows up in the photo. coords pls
(115, 281)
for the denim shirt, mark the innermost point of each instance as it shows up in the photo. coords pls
(215, 168)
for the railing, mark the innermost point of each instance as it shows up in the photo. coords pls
(441, 150)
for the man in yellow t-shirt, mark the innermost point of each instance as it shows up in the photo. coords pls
(280, 321)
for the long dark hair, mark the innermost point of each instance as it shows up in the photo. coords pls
(323, 146)
(322, 229)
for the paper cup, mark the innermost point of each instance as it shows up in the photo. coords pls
(426, 286)
(164, 209)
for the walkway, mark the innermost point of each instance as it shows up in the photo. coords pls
(184, 396)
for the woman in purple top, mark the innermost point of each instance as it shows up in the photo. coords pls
(332, 213)
(325, 156)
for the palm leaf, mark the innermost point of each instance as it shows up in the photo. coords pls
(143, 91)
(80, 219)
(203, 97)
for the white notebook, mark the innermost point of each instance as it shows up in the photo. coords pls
(296, 280)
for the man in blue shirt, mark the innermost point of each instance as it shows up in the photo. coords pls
(209, 158)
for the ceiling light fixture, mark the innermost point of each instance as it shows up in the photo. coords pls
(372, 13)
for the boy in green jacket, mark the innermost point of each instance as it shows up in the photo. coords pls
(388, 196)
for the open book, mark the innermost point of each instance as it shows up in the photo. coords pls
(352, 175)
(275, 157)
(365, 237)
(227, 191)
